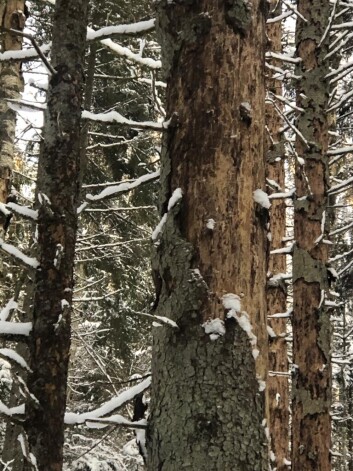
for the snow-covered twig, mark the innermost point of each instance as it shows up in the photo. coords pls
(15, 252)
(113, 404)
(35, 46)
(115, 190)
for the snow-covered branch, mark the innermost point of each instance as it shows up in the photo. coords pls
(15, 252)
(116, 118)
(115, 190)
(113, 404)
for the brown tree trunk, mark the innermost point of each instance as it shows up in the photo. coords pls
(207, 405)
(11, 16)
(311, 328)
(278, 388)
(57, 195)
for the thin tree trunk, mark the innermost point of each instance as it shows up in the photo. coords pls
(207, 404)
(311, 327)
(11, 16)
(57, 194)
(278, 388)
(11, 84)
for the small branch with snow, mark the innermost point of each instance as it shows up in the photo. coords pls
(35, 45)
(123, 187)
(116, 118)
(15, 252)
(11, 355)
(113, 404)
(24, 211)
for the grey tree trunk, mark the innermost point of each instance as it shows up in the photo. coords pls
(57, 195)
(207, 404)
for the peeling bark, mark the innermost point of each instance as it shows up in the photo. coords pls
(57, 196)
(11, 16)
(278, 387)
(311, 327)
(207, 404)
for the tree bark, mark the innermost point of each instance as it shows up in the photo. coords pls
(278, 387)
(311, 383)
(207, 400)
(57, 196)
(11, 16)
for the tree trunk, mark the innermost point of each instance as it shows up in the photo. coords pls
(207, 404)
(57, 195)
(11, 84)
(278, 388)
(11, 16)
(311, 327)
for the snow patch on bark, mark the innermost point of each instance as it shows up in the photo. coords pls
(262, 198)
(215, 328)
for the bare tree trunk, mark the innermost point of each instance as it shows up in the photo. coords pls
(57, 194)
(11, 84)
(11, 16)
(207, 405)
(311, 327)
(278, 388)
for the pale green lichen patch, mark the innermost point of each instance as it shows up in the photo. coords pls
(308, 268)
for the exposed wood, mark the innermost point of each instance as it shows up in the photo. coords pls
(207, 407)
(277, 385)
(11, 15)
(311, 383)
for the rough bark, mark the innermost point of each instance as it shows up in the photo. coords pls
(11, 16)
(207, 405)
(311, 383)
(57, 196)
(277, 385)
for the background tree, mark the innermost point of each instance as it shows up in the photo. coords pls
(278, 380)
(57, 195)
(311, 326)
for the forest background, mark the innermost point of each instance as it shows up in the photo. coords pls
(120, 206)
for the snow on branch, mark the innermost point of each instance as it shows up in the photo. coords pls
(113, 404)
(281, 315)
(284, 57)
(282, 195)
(283, 250)
(279, 17)
(24, 54)
(6, 311)
(129, 29)
(116, 419)
(160, 319)
(340, 186)
(11, 411)
(115, 190)
(116, 118)
(14, 329)
(340, 150)
(15, 252)
(23, 211)
(14, 356)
